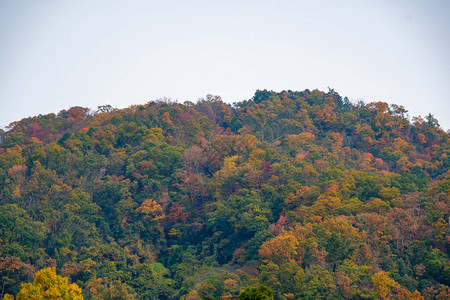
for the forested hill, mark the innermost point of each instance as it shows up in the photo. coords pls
(303, 192)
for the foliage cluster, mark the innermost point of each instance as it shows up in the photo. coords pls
(291, 195)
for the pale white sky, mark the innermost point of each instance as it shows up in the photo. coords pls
(58, 54)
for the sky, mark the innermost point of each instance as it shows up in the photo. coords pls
(58, 54)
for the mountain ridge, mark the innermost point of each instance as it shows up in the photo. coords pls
(199, 200)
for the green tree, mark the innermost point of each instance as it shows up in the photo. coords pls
(260, 292)
(318, 283)
(19, 233)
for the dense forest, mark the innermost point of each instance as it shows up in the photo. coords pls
(290, 195)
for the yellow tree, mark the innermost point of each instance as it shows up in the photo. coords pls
(282, 248)
(387, 288)
(151, 210)
(48, 285)
(151, 213)
(383, 285)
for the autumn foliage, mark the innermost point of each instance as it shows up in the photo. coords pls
(297, 194)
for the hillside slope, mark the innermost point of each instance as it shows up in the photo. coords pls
(304, 192)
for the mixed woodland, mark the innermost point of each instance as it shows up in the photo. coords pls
(290, 195)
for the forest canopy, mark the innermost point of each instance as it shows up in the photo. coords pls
(292, 194)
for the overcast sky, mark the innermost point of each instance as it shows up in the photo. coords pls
(59, 54)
